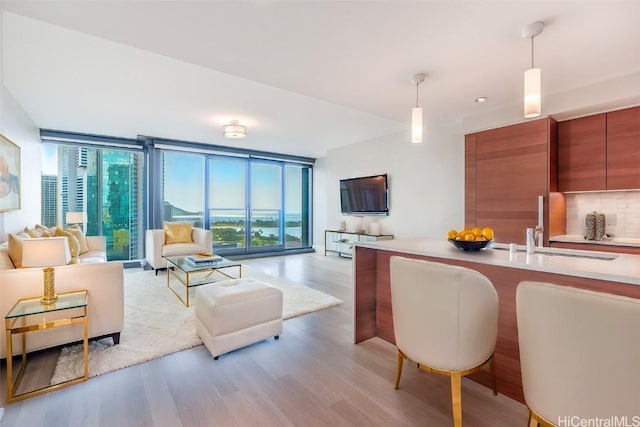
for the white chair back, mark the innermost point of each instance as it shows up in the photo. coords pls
(579, 353)
(444, 316)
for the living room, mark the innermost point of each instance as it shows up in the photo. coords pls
(349, 111)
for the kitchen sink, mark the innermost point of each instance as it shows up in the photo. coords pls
(563, 252)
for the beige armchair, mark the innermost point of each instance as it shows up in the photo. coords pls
(445, 319)
(579, 354)
(156, 248)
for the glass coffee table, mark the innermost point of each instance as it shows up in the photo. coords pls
(190, 276)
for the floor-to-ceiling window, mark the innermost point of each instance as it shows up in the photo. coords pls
(103, 184)
(266, 205)
(228, 203)
(183, 182)
(253, 202)
(252, 205)
(297, 191)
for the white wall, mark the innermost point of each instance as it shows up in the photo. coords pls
(17, 126)
(426, 183)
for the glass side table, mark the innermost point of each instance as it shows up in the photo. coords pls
(29, 315)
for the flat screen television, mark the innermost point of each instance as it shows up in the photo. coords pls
(367, 195)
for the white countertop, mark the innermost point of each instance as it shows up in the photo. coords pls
(607, 241)
(624, 268)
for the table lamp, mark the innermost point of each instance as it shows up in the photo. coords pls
(74, 218)
(47, 252)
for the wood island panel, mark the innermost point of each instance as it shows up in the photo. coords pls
(505, 281)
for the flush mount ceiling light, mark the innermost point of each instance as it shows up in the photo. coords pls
(481, 99)
(416, 113)
(234, 130)
(532, 77)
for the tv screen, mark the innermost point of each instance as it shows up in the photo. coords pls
(365, 195)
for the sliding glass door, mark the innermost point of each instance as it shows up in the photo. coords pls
(252, 205)
(227, 204)
(266, 229)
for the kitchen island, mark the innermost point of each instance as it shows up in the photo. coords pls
(599, 271)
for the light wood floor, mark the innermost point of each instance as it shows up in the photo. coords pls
(314, 375)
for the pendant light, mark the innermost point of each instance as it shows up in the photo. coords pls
(416, 113)
(532, 77)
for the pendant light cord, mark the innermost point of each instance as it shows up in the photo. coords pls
(532, 52)
(417, 89)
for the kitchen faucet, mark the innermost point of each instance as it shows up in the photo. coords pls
(537, 234)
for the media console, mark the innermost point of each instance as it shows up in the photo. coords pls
(341, 242)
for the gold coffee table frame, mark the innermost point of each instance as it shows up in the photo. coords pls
(76, 303)
(183, 270)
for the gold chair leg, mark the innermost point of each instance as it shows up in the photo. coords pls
(399, 368)
(494, 380)
(456, 398)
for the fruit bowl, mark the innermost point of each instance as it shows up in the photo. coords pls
(470, 245)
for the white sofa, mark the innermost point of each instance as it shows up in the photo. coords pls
(104, 281)
(156, 248)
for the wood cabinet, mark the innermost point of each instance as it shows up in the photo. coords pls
(623, 149)
(513, 165)
(600, 152)
(342, 242)
(582, 154)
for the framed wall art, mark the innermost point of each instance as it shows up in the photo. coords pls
(9, 175)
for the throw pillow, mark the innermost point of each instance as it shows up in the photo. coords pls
(45, 231)
(177, 232)
(33, 232)
(74, 246)
(15, 250)
(77, 231)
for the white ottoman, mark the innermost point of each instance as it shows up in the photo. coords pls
(238, 312)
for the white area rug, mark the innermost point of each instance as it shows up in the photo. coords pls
(156, 323)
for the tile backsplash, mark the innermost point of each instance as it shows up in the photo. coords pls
(621, 208)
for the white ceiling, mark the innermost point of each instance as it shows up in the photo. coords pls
(304, 76)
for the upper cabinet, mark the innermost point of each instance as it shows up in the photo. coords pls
(623, 149)
(600, 152)
(506, 169)
(582, 154)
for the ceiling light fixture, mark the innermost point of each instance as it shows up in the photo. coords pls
(481, 99)
(416, 113)
(532, 77)
(234, 130)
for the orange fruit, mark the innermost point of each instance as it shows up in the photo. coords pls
(476, 231)
(469, 237)
(487, 233)
(480, 239)
(451, 234)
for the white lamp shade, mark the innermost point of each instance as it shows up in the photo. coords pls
(234, 130)
(75, 218)
(416, 125)
(45, 252)
(532, 98)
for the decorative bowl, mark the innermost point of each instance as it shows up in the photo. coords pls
(470, 245)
